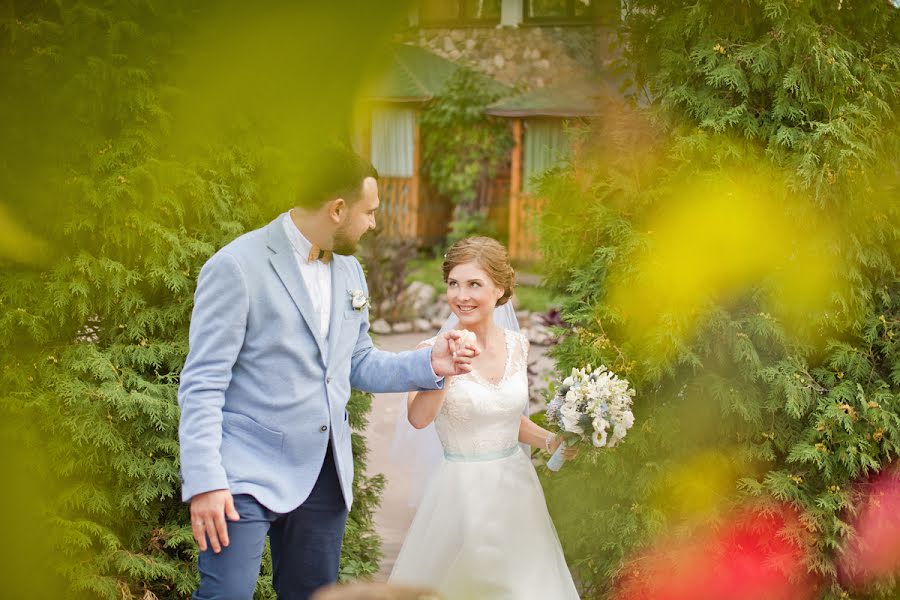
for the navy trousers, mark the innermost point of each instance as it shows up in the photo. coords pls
(306, 545)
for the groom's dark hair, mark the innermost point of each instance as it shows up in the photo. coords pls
(339, 174)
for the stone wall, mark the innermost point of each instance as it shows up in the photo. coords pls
(523, 57)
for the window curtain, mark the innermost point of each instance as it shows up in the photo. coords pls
(393, 130)
(546, 145)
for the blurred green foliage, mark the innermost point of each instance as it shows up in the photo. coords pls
(730, 242)
(139, 137)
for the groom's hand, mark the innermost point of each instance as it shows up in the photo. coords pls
(450, 357)
(208, 512)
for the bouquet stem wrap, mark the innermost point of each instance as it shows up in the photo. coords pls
(559, 458)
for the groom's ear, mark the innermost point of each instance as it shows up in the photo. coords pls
(336, 209)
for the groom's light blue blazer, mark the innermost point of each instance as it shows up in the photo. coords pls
(261, 392)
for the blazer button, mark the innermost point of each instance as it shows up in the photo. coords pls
(323, 428)
(328, 380)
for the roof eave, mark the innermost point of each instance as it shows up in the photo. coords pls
(526, 112)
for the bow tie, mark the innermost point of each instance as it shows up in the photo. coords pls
(317, 253)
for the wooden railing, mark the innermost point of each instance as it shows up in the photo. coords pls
(426, 219)
(398, 212)
(410, 210)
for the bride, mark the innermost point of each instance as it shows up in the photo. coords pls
(482, 529)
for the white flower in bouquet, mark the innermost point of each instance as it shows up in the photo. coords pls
(570, 418)
(599, 438)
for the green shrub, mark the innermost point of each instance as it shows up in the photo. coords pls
(733, 248)
(108, 226)
(464, 149)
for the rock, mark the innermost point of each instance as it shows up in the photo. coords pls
(470, 44)
(458, 35)
(543, 64)
(536, 319)
(381, 327)
(421, 294)
(504, 77)
(523, 315)
(499, 61)
(422, 325)
(454, 54)
(448, 45)
(539, 335)
(430, 312)
(402, 327)
(439, 314)
(420, 298)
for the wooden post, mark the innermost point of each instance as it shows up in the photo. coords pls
(515, 190)
(414, 200)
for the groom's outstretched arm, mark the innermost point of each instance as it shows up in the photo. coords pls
(218, 325)
(374, 370)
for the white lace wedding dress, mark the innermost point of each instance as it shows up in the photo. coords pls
(482, 530)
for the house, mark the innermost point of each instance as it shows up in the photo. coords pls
(539, 47)
(540, 122)
(388, 132)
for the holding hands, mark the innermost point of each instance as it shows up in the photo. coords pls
(453, 353)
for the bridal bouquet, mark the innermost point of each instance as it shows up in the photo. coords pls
(590, 404)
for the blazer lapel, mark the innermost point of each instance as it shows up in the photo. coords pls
(286, 267)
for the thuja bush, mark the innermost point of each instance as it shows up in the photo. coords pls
(731, 244)
(105, 229)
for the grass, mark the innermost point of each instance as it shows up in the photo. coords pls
(536, 299)
(427, 270)
(531, 298)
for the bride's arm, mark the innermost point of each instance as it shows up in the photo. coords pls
(536, 436)
(423, 407)
(530, 432)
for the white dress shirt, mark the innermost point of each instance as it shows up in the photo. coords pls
(316, 275)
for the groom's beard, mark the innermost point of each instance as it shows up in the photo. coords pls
(343, 243)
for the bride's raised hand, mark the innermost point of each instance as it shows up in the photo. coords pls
(453, 353)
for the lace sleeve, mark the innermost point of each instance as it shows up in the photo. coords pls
(520, 353)
(426, 343)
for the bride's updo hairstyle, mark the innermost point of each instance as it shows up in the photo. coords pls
(490, 256)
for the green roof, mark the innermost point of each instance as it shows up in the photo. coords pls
(573, 99)
(414, 74)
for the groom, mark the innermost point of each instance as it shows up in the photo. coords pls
(278, 337)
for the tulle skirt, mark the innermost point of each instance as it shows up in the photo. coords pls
(482, 531)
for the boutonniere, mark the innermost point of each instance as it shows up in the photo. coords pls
(358, 300)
